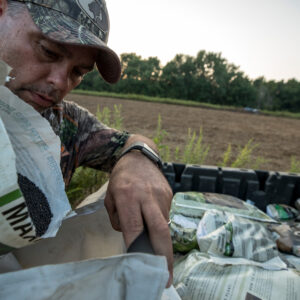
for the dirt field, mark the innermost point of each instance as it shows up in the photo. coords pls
(278, 138)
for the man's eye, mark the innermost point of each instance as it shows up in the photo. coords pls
(49, 53)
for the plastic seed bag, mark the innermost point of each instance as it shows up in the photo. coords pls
(198, 276)
(224, 234)
(188, 208)
(33, 201)
(183, 233)
(282, 212)
(195, 204)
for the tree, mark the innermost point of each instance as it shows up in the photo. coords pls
(208, 77)
(176, 76)
(139, 76)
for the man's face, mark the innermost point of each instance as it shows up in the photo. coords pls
(44, 71)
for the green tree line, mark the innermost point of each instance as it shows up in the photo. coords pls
(208, 78)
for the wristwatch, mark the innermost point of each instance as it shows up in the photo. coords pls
(146, 150)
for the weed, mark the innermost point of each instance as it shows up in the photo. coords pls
(86, 180)
(226, 157)
(117, 117)
(103, 116)
(244, 156)
(160, 135)
(295, 165)
(177, 153)
(110, 118)
(258, 163)
(195, 152)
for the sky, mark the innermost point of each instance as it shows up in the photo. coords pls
(262, 37)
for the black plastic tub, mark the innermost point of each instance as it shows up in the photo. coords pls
(261, 187)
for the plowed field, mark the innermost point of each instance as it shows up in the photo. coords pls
(278, 138)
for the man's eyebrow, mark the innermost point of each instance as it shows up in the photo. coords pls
(69, 54)
(55, 44)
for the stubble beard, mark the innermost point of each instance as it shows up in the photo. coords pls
(48, 91)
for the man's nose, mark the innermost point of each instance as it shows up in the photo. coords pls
(59, 77)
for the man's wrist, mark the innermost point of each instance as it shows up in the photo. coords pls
(146, 151)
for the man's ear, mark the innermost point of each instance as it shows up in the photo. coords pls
(3, 7)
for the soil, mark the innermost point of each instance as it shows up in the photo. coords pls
(278, 138)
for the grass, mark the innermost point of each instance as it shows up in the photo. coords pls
(284, 114)
(194, 151)
(160, 135)
(244, 157)
(110, 118)
(295, 165)
(86, 181)
(226, 157)
(153, 99)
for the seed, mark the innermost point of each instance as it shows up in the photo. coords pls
(37, 203)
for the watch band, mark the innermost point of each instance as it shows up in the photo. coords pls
(146, 150)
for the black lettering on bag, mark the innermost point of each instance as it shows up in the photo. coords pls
(16, 210)
(16, 215)
(26, 228)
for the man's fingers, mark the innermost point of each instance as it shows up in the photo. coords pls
(112, 213)
(124, 213)
(131, 220)
(159, 234)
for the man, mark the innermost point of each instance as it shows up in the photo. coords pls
(51, 45)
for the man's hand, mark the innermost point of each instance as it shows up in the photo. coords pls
(138, 192)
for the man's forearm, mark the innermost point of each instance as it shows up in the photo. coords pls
(140, 138)
(140, 144)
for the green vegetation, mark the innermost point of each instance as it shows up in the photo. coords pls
(158, 139)
(285, 114)
(193, 151)
(244, 156)
(86, 181)
(226, 157)
(152, 99)
(112, 119)
(206, 78)
(295, 165)
(136, 97)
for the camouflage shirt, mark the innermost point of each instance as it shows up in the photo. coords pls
(84, 140)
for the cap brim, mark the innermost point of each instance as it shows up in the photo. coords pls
(64, 29)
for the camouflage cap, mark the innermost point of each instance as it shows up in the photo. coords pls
(82, 22)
